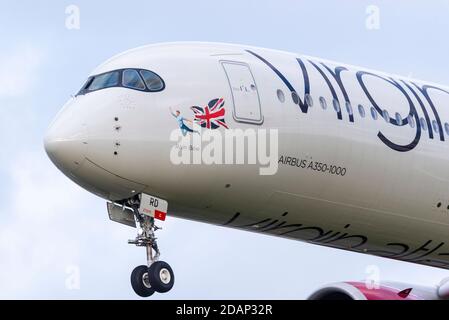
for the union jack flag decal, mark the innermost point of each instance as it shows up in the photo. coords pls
(211, 116)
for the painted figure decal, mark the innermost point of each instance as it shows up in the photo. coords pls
(181, 122)
(211, 116)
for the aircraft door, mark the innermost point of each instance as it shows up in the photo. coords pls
(247, 107)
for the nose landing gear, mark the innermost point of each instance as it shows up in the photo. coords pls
(156, 276)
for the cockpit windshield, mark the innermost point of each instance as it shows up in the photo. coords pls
(135, 79)
(106, 80)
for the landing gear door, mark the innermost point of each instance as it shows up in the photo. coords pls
(245, 93)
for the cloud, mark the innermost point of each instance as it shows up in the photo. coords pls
(19, 70)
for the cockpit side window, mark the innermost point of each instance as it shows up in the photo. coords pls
(153, 81)
(132, 79)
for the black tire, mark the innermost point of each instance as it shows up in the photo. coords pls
(140, 282)
(161, 277)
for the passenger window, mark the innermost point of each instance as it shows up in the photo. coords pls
(281, 95)
(102, 81)
(323, 103)
(446, 127)
(423, 124)
(386, 116)
(374, 113)
(411, 121)
(295, 97)
(362, 111)
(336, 105)
(131, 79)
(398, 118)
(435, 126)
(349, 108)
(309, 100)
(152, 80)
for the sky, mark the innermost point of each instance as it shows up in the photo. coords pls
(56, 241)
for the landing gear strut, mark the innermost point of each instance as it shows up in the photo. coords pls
(156, 276)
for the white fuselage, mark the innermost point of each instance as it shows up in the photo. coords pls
(343, 180)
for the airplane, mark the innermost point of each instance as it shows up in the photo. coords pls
(265, 141)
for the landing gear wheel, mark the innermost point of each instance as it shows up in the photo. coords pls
(161, 276)
(141, 283)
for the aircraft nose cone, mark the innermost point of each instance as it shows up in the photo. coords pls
(66, 144)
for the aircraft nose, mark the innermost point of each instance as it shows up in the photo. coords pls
(66, 144)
